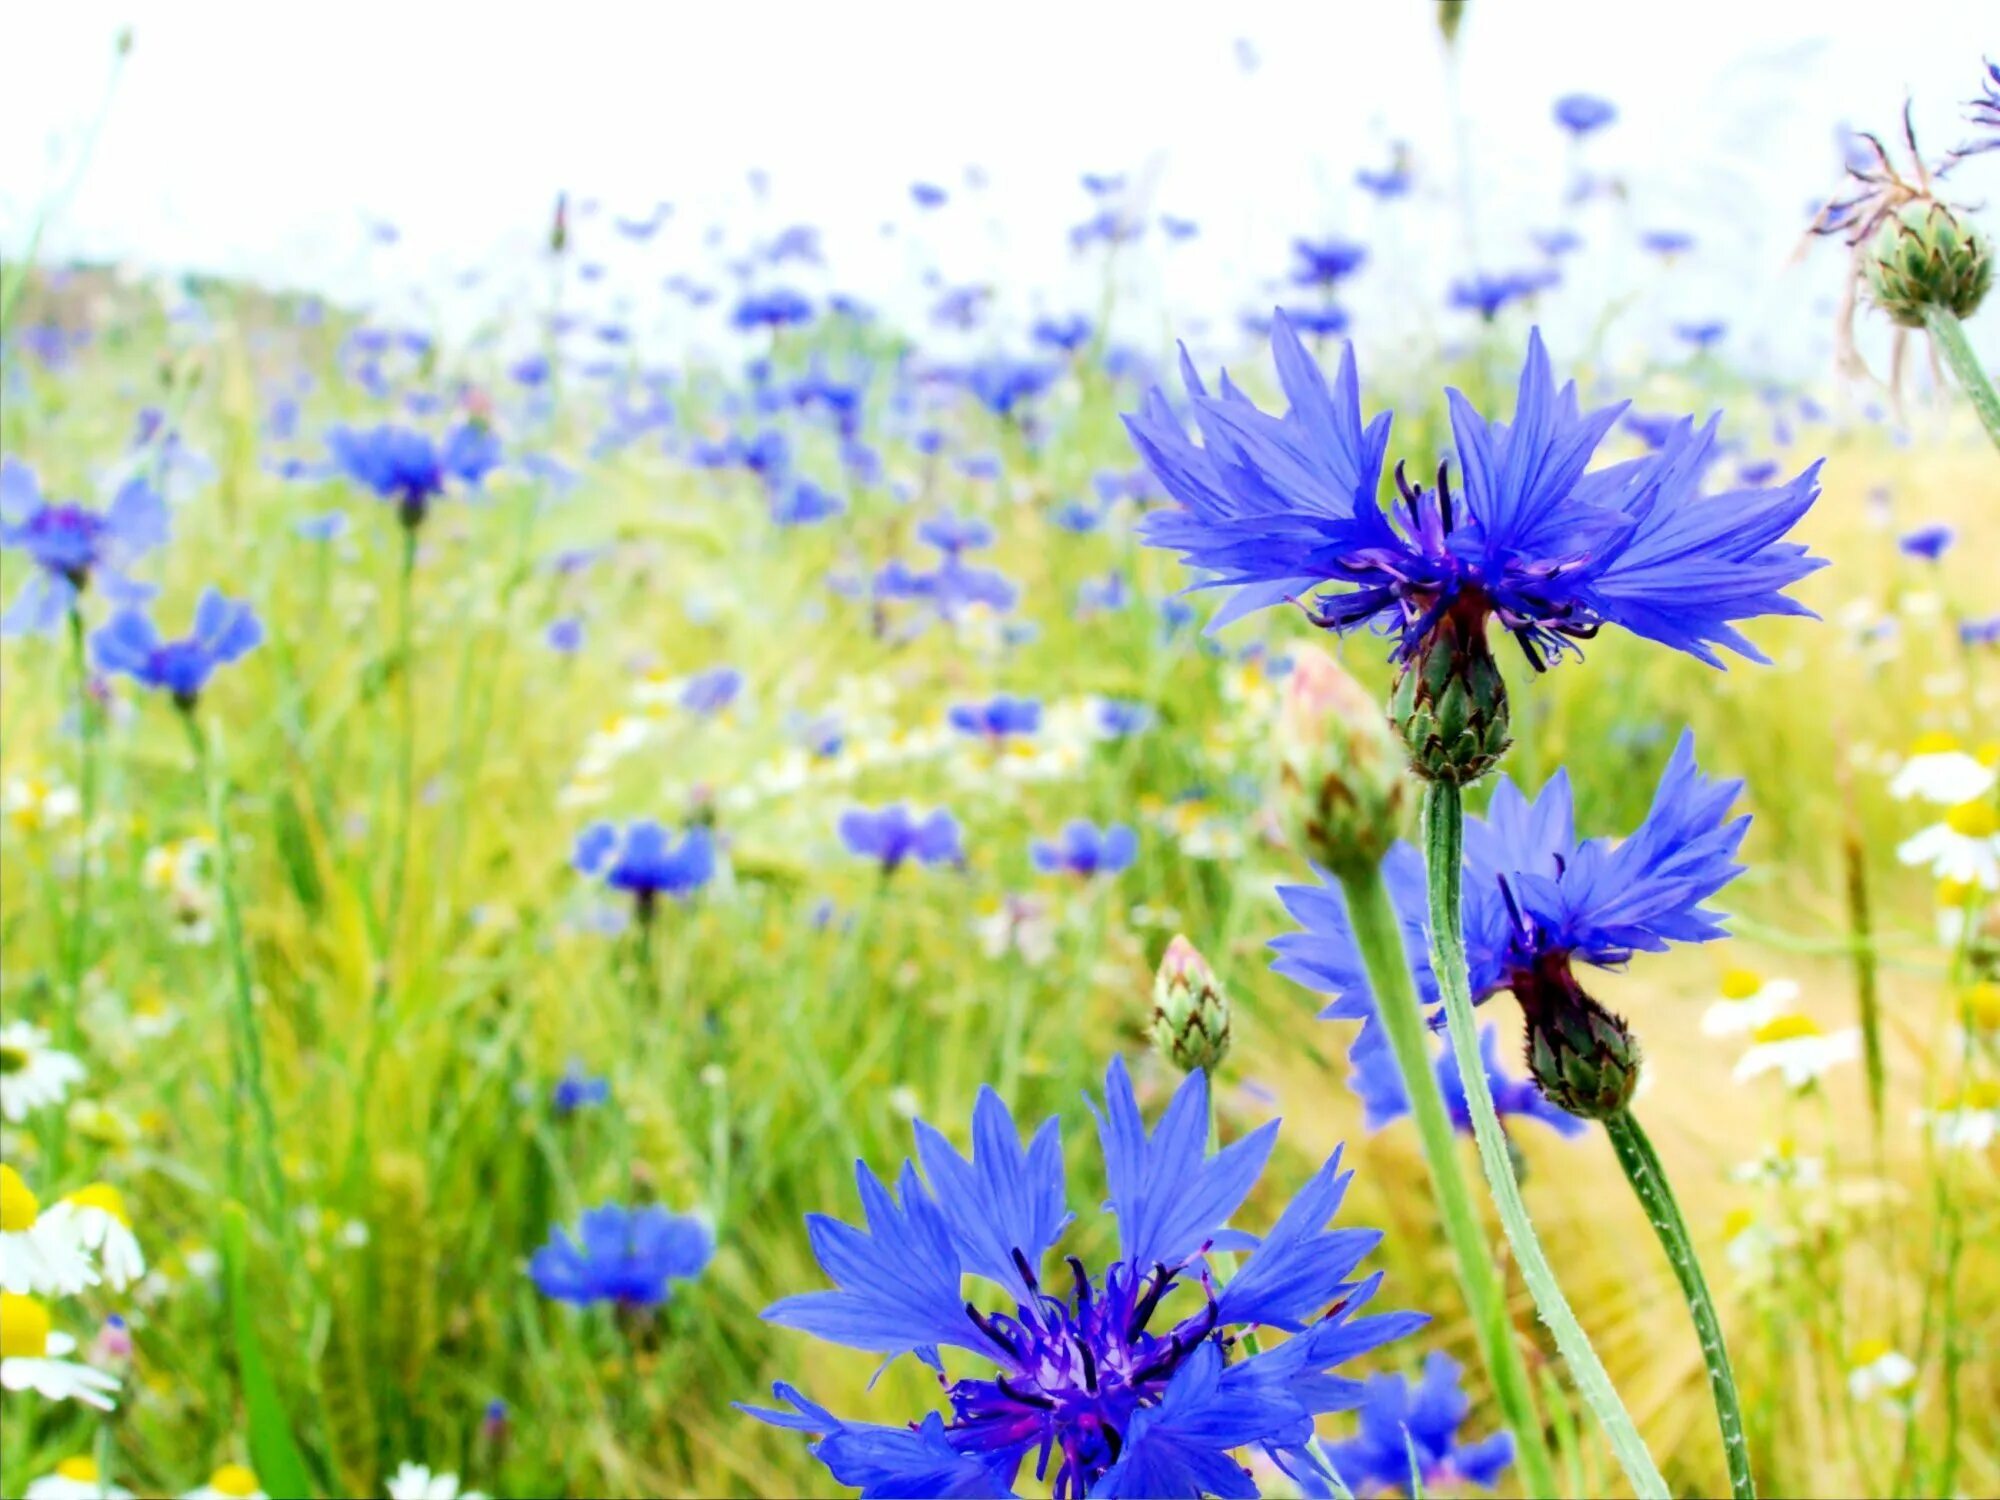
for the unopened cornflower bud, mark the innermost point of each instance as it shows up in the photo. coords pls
(1925, 257)
(1340, 771)
(1582, 1057)
(1450, 701)
(1190, 1011)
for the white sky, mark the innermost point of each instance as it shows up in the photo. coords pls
(260, 139)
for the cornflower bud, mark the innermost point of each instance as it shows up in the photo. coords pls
(1190, 1011)
(1924, 257)
(1340, 771)
(1450, 701)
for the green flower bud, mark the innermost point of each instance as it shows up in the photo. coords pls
(1343, 788)
(1582, 1057)
(1190, 1011)
(1924, 257)
(1450, 701)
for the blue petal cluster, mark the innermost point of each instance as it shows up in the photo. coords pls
(71, 545)
(1121, 1384)
(622, 1255)
(411, 469)
(225, 630)
(1085, 850)
(1536, 896)
(1413, 1425)
(643, 860)
(998, 718)
(893, 835)
(1272, 507)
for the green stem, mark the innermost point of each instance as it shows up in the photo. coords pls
(1948, 335)
(1649, 1182)
(249, 1048)
(406, 755)
(77, 950)
(1444, 839)
(1378, 935)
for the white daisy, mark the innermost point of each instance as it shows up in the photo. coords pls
(1938, 770)
(1780, 1165)
(33, 1358)
(33, 803)
(415, 1482)
(1794, 1047)
(1965, 847)
(103, 1225)
(32, 1073)
(230, 1482)
(75, 1479)
(1968, 1123)
(1878, 1372)
(40, 1253)
(1747, 1001)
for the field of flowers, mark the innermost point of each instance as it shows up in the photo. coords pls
(496, 828)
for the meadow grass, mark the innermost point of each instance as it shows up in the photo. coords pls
(794, 1016)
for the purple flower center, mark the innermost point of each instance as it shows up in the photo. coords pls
(1074, 1370)
(64, 539)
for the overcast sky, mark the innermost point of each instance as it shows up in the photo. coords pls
(263, 139)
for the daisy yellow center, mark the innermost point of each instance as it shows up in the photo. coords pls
(1938, 742)
(24, 1328)
(1741, 984)
(1786, 1029)
(1988, 754)
(233, 1479)
(1953, 893)
(1985, 1094)
(19, 1208)
(1974, 820)
(1868, 1351)
(1982, 1006)
(103, 1195)
(1736, 1221)
(82, 1469)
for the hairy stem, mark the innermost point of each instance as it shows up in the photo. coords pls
(1649, 1182)
(1444, 837)
(1378, 934)
(1948, 335)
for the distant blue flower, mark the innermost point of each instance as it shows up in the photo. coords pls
(1757, 472)
(1124, 1386)
(1486, 293)
(564, 635)
(1927, 542)
(1066, 335)
(1178, 228)
(71, 545)
(1580, 114)
(625, 1256)
(1003, 384)
(1075, 516)
(1668, 242)
(577, 1090)
(952, 534)
(1654, 429)
(1556, 243)
(321, 528)
(643, 860)
(1103, 184)
(712, 691)
(1537, 898)
(1393, 181)
(1272, 508)
(1324, 263)
(1984, 113)
(1085, 850)
(1701, 335)
(800, 242)
(1117, 718)
(928, 195)
(1984, 632)
(225, 630)
(1406, 1423)
(410, 468)
(893, 835)
(997, 718)
(804, 503)
(779, 308)
(1320, 322)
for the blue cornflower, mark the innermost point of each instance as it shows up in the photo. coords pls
(1274, 507)
(1065, 335)
(1580, 114)
(1487, 292)
(1393, 181)
(1667, 242)
(712, 691)
(565, 635)
(1984, 112)
(1123, 1386)
(893, 835)
(577, 1090)
(1538, 899)
(643, 860)
(1324, 263)
(1556, 243)
(1117, 717)
(411, 468)
(1003, 384)
(953, 535)
(998, 718)
(1177, 228)
(928, 195)
(779, 308)
(1702, 335)
(1414, 1423)
(1085, 850)
(804, 503)
(225, 630)
(622, 1255)
(1927, 542)
(71, 545)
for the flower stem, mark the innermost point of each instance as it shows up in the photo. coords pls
(1948, 334)
(406, 752)
(1649, 1182)
(1378, 935)
(249, 1048)
(76, 954)
(1444, 839)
